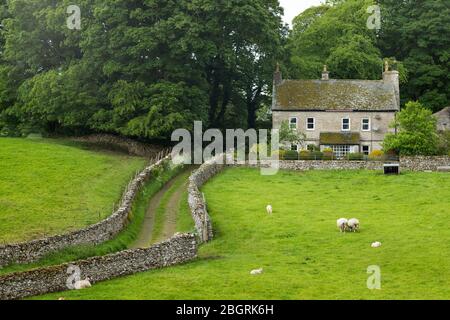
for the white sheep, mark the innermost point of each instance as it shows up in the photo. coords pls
(376, 244)
(82, 284)
(257, 272)
(269, 209)
(353, 224)
(342, 224)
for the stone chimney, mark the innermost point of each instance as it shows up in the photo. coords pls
(277, 76)
(325, 74)
(393, 78)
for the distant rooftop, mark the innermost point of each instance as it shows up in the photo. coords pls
(443, 118)
(334, 95)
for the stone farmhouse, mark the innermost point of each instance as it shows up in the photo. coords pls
(347, 116)
(443, 119)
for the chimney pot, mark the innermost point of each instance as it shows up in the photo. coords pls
(277, 76)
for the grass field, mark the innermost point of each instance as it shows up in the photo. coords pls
(123, 241)
(49, 187)
(302, 252)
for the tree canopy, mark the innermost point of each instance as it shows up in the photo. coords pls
(142, 68)
(137, 68)
(413, 37)
(417, 133)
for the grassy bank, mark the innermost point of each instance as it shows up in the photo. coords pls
(48, 188)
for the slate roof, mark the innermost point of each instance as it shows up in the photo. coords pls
(335, 95)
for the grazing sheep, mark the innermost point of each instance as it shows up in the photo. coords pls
(353, 225)
(269, 209)
(376, 244)
(342, 224)
(257, 272)
(82, 284)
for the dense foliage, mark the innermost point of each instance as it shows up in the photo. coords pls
(413, 37)
(416, 132)
(143, 68)
(139, 68)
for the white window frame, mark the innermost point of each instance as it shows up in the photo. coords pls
(369, 124)
(296, 147)
(296, 123)
(313, 123)
(340, 151)
(349, 124)
(368, 147)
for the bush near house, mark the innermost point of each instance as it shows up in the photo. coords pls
(305, 155)
(355, 156)
(291, 155)
(376, 155)
(444, 143)
(328, 154)
(417, 133)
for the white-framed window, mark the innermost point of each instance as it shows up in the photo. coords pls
(294, 147)
(366, 150)
(346, 124)
(293, 123)
(310, 124)
(340, 151)
(365, 124)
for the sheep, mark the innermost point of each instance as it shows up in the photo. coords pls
(353, 225)
(376, 244)
(257, 272)
(82, 284)
(269, 209)
(342, 224)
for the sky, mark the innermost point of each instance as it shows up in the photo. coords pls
(293, 8)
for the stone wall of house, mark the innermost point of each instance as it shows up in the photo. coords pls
(332, 122)
(424, 163)
(98, 233)
(129, 146)
(179, 249)
(197, 201)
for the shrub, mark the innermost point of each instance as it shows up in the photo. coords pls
(313, 148)
(416, 132)
(376, 155)
(291, 155)
(328, 154)
(280, 153)
(355, 156)
(305, 155)
(317, 155)
(444, 143)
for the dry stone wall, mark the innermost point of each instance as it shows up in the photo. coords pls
(130, 146)
(98, 233)
(179, 249)
(424, 163)
(197, 202)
